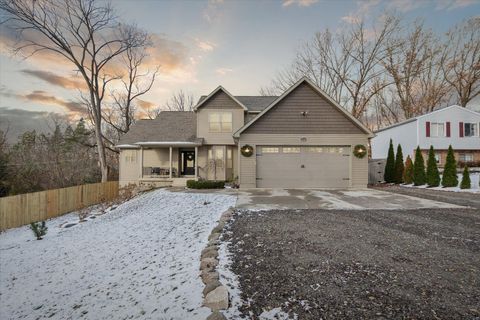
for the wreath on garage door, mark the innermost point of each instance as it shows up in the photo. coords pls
(246, 150)
(360, 151)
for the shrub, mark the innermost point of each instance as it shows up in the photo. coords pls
(449, 178)
(39, 229)
(419, 177)
(399, 167)
(408, 172)
(205, 184)
(433, 176)
(466, 183)
(389, 175)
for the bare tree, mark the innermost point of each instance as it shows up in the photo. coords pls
(84, 32)
(120, 114)
(180, 101)
(461, 64)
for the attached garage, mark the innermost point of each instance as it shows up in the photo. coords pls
(303, 166)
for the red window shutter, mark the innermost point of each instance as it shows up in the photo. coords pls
(448, 129)
(427, 127)
(460, 129)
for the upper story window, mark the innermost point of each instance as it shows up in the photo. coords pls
(470, 129)
(130, 156)
(437, 129)
(220, 122)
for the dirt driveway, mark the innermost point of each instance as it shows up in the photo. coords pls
(358, 264)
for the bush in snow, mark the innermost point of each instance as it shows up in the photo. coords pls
(408, 171)
(433, 176)
(449, 178)
(466, 183)
(399, 167)
(389, 175)
(39, 229)
(205, 184)
(419, 177)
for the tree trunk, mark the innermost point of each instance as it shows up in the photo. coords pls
(101, 152)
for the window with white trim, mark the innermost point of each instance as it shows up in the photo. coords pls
(229, 159)
(220, 122)
(130, 156)
(291, 149)
(465, 157)
(437, 129)
(270, 150)
(470, 129)
(315, 149)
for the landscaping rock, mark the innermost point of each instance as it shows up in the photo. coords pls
(210, 252)
(218, 229)
(208, 263)
(209, 276)
(210, 286)
(214, 236)
(216, 315)
(217, 299)
(213, 242)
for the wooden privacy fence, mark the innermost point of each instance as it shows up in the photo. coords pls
(25, 208)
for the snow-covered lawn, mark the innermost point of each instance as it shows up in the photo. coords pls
(140, 260)
(474, 179)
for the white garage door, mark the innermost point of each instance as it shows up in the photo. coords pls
(303, 167)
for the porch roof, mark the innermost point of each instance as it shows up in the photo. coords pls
(170, 128)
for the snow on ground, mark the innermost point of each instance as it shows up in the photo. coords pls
(474, 180)
(139, 261)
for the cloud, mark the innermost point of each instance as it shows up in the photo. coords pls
(212, 12)
(146, 105)
(223, 71)
(205, 45)
(50, 77)
(46, 99)
(363, 9)
(454, 4)
(300, 3)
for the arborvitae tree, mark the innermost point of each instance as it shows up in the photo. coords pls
(408, 172)
(419, 177)
(389, 175)
(466, 183)
(399, 167)
(433, 176)
(449, 178)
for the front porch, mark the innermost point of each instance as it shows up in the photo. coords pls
(170, 165)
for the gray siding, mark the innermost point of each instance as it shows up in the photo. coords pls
(286, 117)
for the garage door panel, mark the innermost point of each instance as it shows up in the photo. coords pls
(312, 167)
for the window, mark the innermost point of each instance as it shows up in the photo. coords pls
(220, 122)
(291, 150)
(437, 129)
(219, 153)
(470, 129)
(270, 150)
(315, 149)
(331, 150)
(130, 156)
(229, 159)
(465, 157)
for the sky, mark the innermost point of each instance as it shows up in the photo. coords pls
(199, 45)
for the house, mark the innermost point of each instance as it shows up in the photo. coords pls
(453, 125)
(301, 139)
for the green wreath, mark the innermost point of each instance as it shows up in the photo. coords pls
(360, 151)
(246, 150)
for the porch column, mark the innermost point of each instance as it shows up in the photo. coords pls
(141, 162)
(196, 163)
(170, 171)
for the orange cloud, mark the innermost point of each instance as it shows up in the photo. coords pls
(50, 77)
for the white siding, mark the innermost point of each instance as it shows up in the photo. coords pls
(405, 134)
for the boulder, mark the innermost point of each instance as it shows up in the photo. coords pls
(208, 263)
(217, 299)
(214, 236)
(210, 252)
(210, 286)
(216, 315)
(209, 276)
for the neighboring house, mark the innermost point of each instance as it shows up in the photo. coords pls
(453, 125)
(301, 139)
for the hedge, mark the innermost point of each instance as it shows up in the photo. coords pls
(205, 184)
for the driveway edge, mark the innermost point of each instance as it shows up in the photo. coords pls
(215, 294)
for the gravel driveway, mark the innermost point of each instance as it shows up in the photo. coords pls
(358, 264)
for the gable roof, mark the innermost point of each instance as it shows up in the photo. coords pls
(219, 88)
(316, 89)
(426, 115)
(169, 126)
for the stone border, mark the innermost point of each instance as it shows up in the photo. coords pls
(215, 294)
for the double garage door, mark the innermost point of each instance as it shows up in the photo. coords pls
(303, 166)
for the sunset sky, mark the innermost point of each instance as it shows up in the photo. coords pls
(202, 44)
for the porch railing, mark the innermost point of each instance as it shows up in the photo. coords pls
(158, 172)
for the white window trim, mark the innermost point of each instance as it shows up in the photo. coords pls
(435, 134)
(220, 122)
(477, 129)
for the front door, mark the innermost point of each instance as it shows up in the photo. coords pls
(188, 162)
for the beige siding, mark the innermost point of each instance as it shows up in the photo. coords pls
(129, 172)
(286, 116)
(358, 168)
(220, 101)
